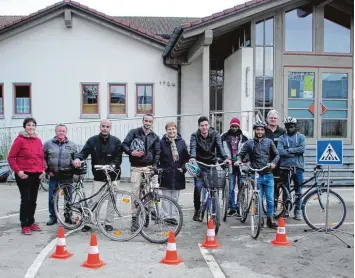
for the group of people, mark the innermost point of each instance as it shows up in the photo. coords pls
(30, 160)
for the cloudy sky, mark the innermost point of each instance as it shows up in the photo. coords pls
(189, 8)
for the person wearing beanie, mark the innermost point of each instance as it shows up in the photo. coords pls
(232, 142)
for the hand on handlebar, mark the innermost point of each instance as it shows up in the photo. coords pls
(228, 162)
(238, 163)
(271, 165)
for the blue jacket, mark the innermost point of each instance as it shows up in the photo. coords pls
(291, 150)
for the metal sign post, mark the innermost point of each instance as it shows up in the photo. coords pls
(329, 152)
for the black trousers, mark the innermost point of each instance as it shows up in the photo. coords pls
(29, 191)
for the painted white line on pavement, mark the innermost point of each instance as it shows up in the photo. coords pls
(290, 225)
(33, 269)
(17, 214)
(211, 263)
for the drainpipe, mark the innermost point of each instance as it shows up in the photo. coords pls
(179, 99)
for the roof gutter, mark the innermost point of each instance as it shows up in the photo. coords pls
(175, 36)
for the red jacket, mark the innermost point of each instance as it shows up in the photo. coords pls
(26, 154)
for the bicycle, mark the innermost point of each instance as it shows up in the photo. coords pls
(313, 193)
(253, 203)
(163, 214)
(124, 204)
(217, 178)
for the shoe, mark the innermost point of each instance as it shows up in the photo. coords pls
(69, 221)
(286, 214)
(232, 212)
(298, 215)
(134, 226)
(196, 216)
(35, 227)
(26, 230)
(51, 221)
(86, 229)
(262, 222)
(237, 215)
(270, 224)
(171, 221)
(108, 228)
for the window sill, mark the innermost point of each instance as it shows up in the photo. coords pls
(116, 116)
(89, 116)
(24, 116)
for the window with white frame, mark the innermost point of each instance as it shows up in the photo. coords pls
(22, 99)
(144, 98)
(90, 99)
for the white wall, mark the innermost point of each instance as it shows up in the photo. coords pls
(235, 98)
(55, 60)
(191, 96)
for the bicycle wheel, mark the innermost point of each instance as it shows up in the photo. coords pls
(163, 215)
(123, 211)
(216, 213)
(244, 201)
(204, 204)
(225, 200)
(255, 215)
(282, 200)
(314, 209)
(67, 206)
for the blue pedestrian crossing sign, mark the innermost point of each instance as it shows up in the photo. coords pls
(329, 152)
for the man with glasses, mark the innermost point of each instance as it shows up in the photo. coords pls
(233, 141)
(105, 149)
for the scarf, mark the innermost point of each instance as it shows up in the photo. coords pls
(173, 148)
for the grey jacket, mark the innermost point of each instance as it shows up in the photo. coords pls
(58, 154)
(260, 153)
(291, 149)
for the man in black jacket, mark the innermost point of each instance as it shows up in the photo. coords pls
(143, 147)
(203, 146)
(105, 149)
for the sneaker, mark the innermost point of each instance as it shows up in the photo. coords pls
(286, 214)
(51, 221)
(237, 215)
(270, 224)
(35, 227)
(26, 230)
(171, 221)
(298, 215)
(86, 229)
(196, 216)
(232, 212)
(108, 228)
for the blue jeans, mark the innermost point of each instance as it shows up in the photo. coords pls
(52, 186)
(233, 178)
(298, 179)
(199, 181)
(266, 185)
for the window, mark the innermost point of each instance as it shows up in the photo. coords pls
(90, 100)
(117, 99)
(22, 99)
(299, 29)
(144, 98)
(1, 99)
(264, 65)
(336, 31)
(216, 86)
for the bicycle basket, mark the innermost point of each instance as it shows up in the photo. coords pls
(215, 178)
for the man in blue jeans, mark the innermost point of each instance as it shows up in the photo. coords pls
(58, 153)
(233, 141)
(291, 147)
(262, 152)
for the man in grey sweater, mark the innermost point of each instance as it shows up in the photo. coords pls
(291, 147)
(58, 153)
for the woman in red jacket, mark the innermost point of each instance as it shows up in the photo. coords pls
(26, 159)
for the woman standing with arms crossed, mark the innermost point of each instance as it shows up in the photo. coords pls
(26, 159)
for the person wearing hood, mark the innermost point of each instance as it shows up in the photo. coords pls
(173, 156)
(291, 147)
(58, 153)
(104, 149)
(233, 141)
(26, 159)
(206, 147)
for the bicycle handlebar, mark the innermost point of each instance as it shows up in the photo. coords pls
(211, 166)
(256, 170)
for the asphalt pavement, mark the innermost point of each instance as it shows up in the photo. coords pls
(319, 255)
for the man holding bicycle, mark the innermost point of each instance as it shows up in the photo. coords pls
(105, 149)
(262, 152)
(203, 146)
(291, 147)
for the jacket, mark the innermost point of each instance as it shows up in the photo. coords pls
(59, 154)
(260, 153)
(274, 135)
(26, 154)
(102, 153)
(291, 150)
(209, 149)
(172, 178)
(227, 143)
(152, 148)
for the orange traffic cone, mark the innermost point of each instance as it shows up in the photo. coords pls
(210, 239)
(281, 238)
(171, 256)
(93, 260)
(61, 251)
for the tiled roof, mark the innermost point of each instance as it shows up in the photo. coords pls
(153, 27)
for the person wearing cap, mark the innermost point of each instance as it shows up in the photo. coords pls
(233, 141)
